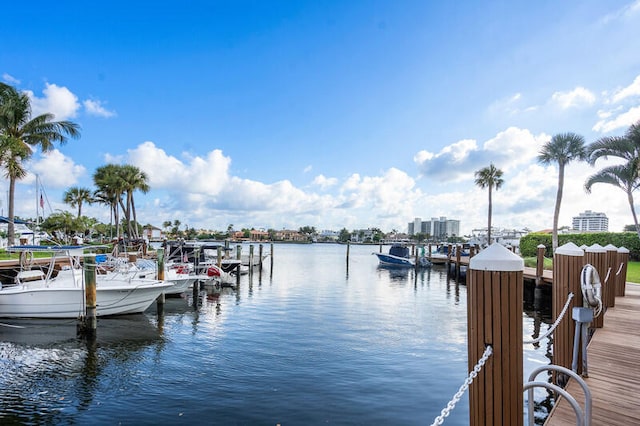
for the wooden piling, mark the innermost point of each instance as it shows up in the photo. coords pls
(609, 281)
(568, 261)
(622, 260)
(540, 263)
(348, 249)
(596, 255)
(251, 260)
(494, 316)
(219, 258)
(260, 257)
(160, 264)
(90, 318)
(458, 254)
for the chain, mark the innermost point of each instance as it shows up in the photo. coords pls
(472, 375)
(555, 324)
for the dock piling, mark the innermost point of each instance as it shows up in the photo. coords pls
(494, 317)
(90, 324)
(568, 261)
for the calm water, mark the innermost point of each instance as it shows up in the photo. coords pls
(310, 342)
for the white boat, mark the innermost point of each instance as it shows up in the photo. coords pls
(179, 275)
(36, 294)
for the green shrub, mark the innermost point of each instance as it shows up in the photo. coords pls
(529, 243)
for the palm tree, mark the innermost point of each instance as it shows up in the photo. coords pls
(76, 196)
(489, 177)
(625, 176)
(562, 149)
(109, 191)
(133, 179)
(20, 133)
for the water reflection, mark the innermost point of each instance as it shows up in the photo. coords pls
(49, 374)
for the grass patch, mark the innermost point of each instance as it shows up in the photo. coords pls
(633, 272)
(532, 262)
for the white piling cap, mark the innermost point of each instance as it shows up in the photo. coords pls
(610, 247)
(623, 250)
(496, 257)
(570, 249)
(595, 248)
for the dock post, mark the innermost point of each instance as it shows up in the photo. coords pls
(160, 264)
(458, 254)
(219, 259)
(90, 324)
(196, 268)
(596, 255)
(472, 252)
(494, 317)
(568, 261)
(622, 260)
(271, 256)
(540, 264)
(609, 287)
(348, 248)
(251, 260)
(238, 257)
(260, 256)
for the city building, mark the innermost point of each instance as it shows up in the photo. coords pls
(438, 229)
(590, 221)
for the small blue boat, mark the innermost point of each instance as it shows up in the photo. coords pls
(399, 256)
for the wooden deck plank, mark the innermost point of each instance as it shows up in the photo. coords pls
(614, 368)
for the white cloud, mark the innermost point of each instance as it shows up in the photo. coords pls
(458, 161)
(575, 98)
(324, 182)
(626, 92)
(621, 121)
(10, 79)
(57, 170)
(59, 101)
(94, 107)
(308, 168)
(207, 175)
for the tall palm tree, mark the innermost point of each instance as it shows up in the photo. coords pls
(77, 196)
(625, 176)
(109, 190)
(20, 133)
(562, 149)
(133, 180)
(489, 177)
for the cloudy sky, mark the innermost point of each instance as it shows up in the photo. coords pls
(356, 114)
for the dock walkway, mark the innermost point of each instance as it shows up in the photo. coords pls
(614, 368)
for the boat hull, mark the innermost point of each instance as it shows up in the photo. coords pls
(391, 260)
(45, 302)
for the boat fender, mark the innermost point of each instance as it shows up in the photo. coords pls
(213, 272)
(591, 287)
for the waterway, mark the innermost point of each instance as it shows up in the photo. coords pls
(313, 340)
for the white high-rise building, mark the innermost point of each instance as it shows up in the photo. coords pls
(590, 221)
(437, 228)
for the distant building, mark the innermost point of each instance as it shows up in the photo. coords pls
(590, 221)
(437, 228)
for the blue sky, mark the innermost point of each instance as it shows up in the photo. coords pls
(282, 114)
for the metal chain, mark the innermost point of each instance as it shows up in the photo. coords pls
(472, 375)
(555, 324)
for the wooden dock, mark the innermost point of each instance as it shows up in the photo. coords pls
(529, 272)
(614, 368)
